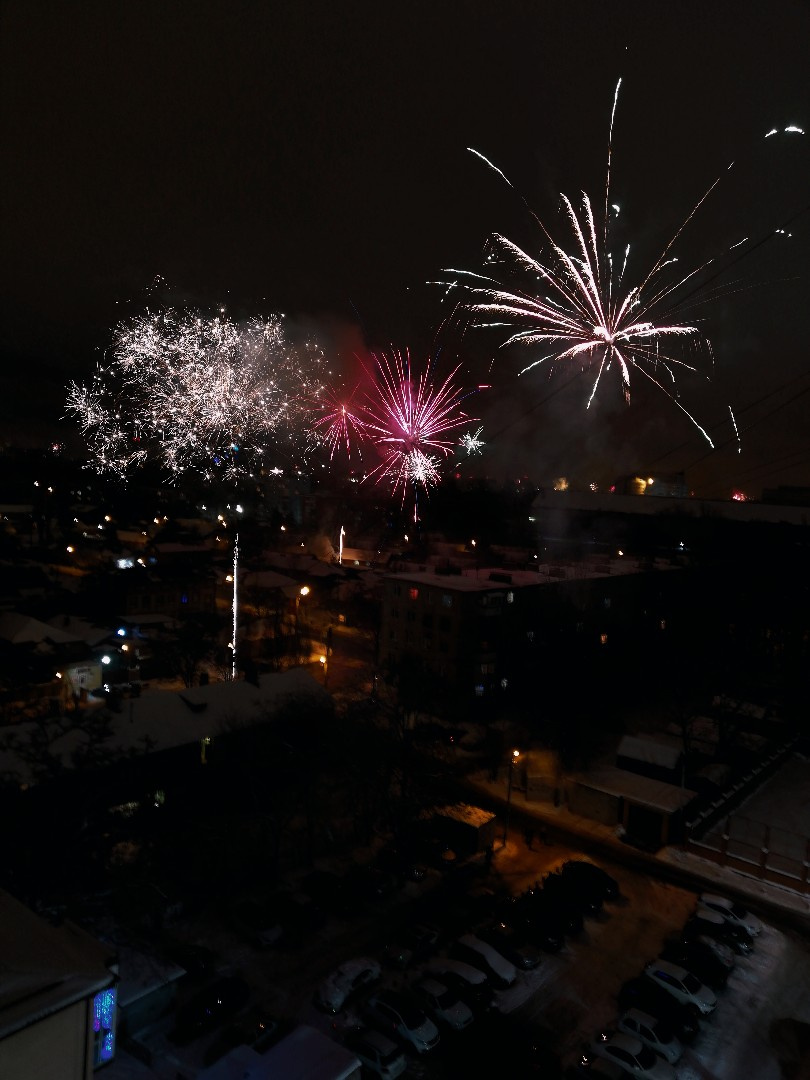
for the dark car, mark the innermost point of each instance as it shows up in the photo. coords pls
(700, 960)
(572, 893)
(511, 944)
(538, 923)
(554, 904)
(371, 884)
(590, 876)
(412, 944)
(707, 924)
(642, 993)
(257, 1029)
(199, 962)
(209, 1008)
(403, 862)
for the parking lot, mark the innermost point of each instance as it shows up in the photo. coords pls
(542, 1022)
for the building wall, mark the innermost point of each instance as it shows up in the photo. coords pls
(596, 805)
(56, 1048)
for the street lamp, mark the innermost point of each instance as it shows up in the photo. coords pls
(324, 662)
(512, 762)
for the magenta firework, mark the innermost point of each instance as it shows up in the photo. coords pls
(409, 417)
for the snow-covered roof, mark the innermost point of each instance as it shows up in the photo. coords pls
(24, 630)
(468, 815)
(637, 789)
(164, 719)
(662, 751)
(44, 968)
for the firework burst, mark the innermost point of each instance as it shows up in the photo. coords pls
(573, 300)
(197, 393)
(409, 420)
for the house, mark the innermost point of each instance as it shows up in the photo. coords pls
(58, 998)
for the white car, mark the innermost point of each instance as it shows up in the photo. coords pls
(337, 988)
(442, 1004)
(653, 1033)
(631, 1055)
(394, 1013)
(682, 984)
(733, 913)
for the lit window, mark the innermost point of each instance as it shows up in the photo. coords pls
(413, 594)
(504, 683)
(603, 639)
(530, 635)
(510, 598)
(447, 600)
(479, 690)
(663, 624)
(606, 601)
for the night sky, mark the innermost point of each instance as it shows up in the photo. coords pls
(310, 158)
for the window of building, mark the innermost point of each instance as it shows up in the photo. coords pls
(603, 639)
(479, 690)
(443, 646)
(606, 601)
(504, 683)
(662, 624)
(396, 590)
(487, 669)
(413, 594)
(447, 600)
(410, 616)
(530, 635)
(510, 597)
(444, 624)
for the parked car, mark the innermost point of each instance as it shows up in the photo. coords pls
(652, 1032)
(631, 1055)
(708, 923)
(470, 983)
(210, 1007)
(732, 912)
(573, 893)
(700, 960)
(642, 993)
(539, 923)
(724, 953)
(370, 884)
(257, 1028)
(511, 945)
(555, 906)
(395, 1012)
(443, 1004)
(472, 950)
(411, 944)
(377, 1053)
(402, 862)
(351, 977)
(683, 986)
(589, 875)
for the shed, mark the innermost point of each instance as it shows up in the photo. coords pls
(649, 810)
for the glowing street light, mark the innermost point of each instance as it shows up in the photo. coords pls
(513, 759)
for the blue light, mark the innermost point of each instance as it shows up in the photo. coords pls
(121, 631)
(104, 1005)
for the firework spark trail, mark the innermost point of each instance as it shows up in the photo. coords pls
(339, 426)
(586, 314)
(197, 393)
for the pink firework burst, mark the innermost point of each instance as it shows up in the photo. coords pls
(340, 427)
(409, 419)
